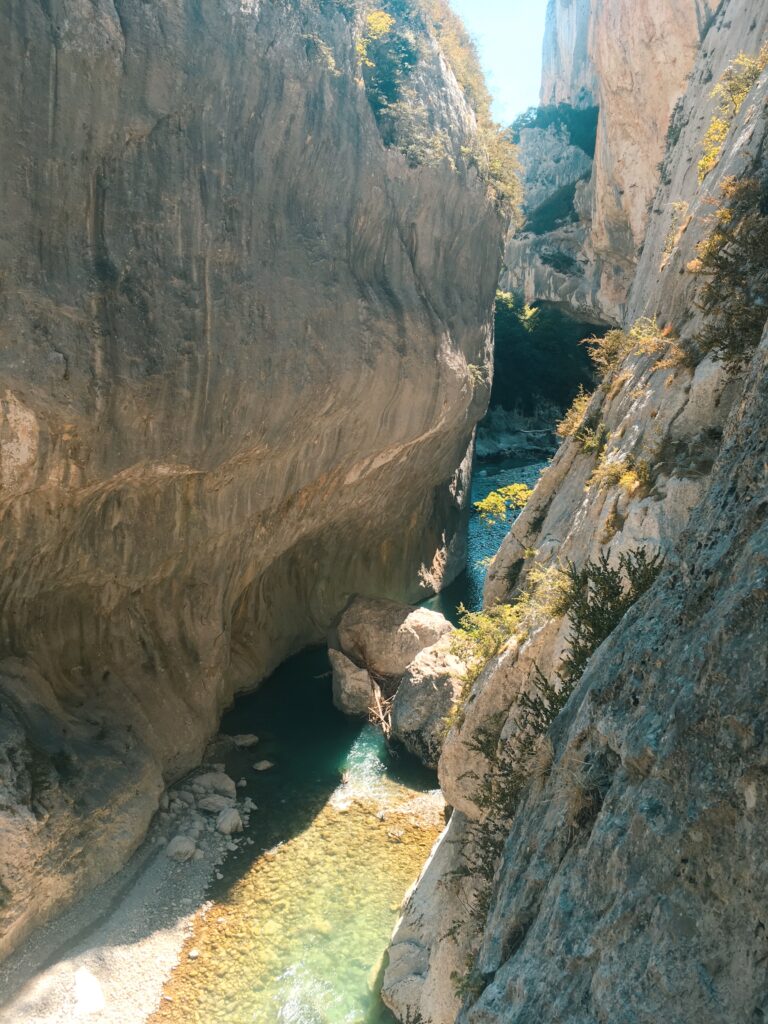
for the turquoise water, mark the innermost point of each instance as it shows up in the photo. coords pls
(483, 541)
(302, 916)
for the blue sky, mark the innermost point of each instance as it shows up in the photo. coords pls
(510, 34)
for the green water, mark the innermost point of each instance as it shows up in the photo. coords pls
(303, 914)
(301, 919)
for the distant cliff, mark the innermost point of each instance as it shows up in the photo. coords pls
(242, 347)
(631, 61)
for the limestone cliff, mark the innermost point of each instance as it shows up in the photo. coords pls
(631, 60)
(630, 883)
(240, 340)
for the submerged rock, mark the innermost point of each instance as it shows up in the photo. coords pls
(385, 636)
(181, 849)
(217, 782)
(214, 803)
(352, 686)
(427, 694)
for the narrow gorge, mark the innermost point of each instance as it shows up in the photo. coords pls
(321, 614)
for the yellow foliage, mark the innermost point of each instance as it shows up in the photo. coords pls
(571, 423)
(495, 507)
(377, 25)
(731, 91)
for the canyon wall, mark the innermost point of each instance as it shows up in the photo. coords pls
(632, 61)
(630, 883)
(242, 349)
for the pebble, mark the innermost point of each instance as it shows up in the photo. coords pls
(193, 954)
(263, 766)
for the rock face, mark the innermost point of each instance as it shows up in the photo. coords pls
(631, 59)
(386, 636)
(630, 884)
(352, 686)
(236, 337)
(427, 693)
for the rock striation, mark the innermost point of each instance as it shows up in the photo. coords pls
(236, 337)
(629, 884)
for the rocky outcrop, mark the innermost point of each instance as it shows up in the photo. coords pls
(386, 636)
(236, 338)
(352, 685)
(632, 59)
(613, 893)
(425, 698)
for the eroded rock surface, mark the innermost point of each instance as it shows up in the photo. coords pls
(630, 885)
(236, 337)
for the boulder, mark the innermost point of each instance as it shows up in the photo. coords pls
(386, 636)
(217, 782)
(263, 766)
(245, 740)
(229, 822)
(215, 803)
(352, 686)
(181, 849)
(430, 688)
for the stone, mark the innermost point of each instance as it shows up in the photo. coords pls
(229, 822)
(186, 797)
(263, 766)
(217, 782)
(385, 636)
(425, 698)
(181, 849)
(215, 803)
(352, 686)
(245, 740)
(193, 954)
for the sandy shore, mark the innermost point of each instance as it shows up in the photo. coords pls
(105, 961)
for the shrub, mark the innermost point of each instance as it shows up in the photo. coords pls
(625, 471)
(734, 257)
(494, 508)
(596, 598)
(593, 437)
(644, 337)
(571, 423)
(731, 91)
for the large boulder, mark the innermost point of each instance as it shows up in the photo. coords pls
(428, 691)
(352, 686)
(385, 636)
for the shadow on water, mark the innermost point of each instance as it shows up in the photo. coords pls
(311, 743)
(302, 914)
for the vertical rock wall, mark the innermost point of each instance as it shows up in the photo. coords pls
(631, 884)
(236, 335)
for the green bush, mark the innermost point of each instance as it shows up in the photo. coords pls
(734, 258)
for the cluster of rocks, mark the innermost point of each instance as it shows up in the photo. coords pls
(207, 803)
(397, 658)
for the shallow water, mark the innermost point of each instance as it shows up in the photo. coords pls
(343, 828)
(302, 917)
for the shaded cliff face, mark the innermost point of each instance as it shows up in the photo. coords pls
(630, 883)
(235, 333)
(632, 60)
